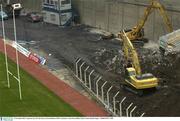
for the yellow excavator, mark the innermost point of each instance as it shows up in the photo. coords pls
(137, 33)
(136, 82)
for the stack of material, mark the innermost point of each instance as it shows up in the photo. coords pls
(170, 43)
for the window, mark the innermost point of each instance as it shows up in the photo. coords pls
(52, 2)
(53, 17)
(56, 4)
(65, 2)
(145, 76)
(64, 17)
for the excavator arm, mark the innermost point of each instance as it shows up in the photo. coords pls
(137, 32)
(161, 9)
(140, 25)
(131, 54)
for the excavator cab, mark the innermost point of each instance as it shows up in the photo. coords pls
(138, 38)
(143, 81)
(139, 34)
(138, 84)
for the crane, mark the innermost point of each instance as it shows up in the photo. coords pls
(136, 80)
(137, 33)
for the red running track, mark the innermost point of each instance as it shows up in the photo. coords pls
(81, 103)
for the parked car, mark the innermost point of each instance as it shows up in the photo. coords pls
(3, 15)
(34, 17)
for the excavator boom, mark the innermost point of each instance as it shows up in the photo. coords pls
(167, 21)
(137, 33)
(142, 22)
(131, 54)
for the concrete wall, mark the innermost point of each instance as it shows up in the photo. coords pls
(114, 15)
(32, 5)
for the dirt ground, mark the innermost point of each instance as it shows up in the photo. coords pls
(67, 44)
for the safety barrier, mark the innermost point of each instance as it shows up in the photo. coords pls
(32, 56)
(104, 92)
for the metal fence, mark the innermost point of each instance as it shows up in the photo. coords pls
(104, 92)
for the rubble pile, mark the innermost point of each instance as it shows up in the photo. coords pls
(111, 60)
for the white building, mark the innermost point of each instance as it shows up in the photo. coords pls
(57, 12)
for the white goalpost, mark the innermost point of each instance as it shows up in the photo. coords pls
(8, 72)
(5, 50)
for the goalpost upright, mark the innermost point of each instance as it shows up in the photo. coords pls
(17, 78)
(5, 49)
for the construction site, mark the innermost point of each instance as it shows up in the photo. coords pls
(122, 55)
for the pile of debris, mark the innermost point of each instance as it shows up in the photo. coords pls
(111, 60)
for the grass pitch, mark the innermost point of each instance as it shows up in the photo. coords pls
(37, 99)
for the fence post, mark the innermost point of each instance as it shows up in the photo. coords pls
(85, 80)
(102, 90)
(97, 92)
(132, 111)
(127, 113)
(77, 66)
(108, 95)
(81, 70)
(120, 106)
(94, 84)
(114, 102)
(90, 79)
(142, 114)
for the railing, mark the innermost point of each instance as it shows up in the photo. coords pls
(104, 92)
